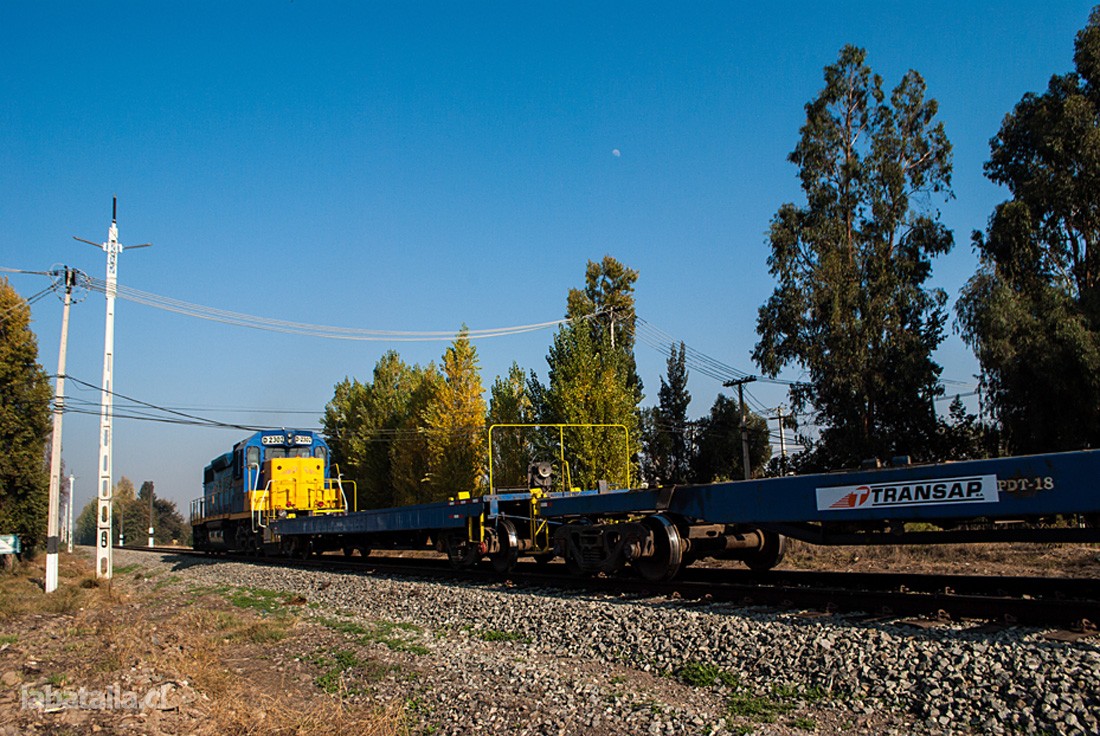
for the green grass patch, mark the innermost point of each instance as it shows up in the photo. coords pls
(780, 701)
(498, 635)
(755, 707)
(395, 635)
(344, 671)
(705, 674)
(8, 639)
(126, 569)
(265, 602)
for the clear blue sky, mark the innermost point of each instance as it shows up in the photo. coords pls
(416, 166)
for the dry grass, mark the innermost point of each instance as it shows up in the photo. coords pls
(219, 652)
(245, 714)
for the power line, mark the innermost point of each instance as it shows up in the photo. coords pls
(330, 332)
(192, 417)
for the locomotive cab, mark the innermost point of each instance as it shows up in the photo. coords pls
(282, 473)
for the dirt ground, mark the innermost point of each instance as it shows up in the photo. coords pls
(1040, 560)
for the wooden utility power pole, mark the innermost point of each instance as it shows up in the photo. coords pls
(740, 384)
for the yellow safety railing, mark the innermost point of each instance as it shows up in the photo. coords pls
(561, 446)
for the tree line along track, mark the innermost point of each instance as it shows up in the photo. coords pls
(1072, 603)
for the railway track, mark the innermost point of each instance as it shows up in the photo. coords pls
(1070, 603)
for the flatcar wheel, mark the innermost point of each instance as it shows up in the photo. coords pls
(505, 558)
(668, 551)
(772, 549)
(461, 553)
(574, 567)
(302, 548)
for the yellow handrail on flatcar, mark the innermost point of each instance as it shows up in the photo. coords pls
(561, 446)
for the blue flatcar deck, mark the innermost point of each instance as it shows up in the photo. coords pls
(441, 515)
(1003, 488)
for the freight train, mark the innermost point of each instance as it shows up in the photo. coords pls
(276, 492)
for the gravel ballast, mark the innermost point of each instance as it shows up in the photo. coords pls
(493, 658)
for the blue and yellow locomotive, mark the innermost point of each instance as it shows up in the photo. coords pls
(269, 475)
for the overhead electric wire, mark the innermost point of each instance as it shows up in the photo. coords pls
(204, 421)
(330, 332)
(25, 303)
(699, 362)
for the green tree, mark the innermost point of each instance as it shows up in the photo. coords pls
(455, 422)
(84, 531)
(367, 425)
(409, 449)
(721, 454)
(590, 383)
(24, 424)
(342, 425)
(850, 306)
(962, 436)
(129, 516)
(168, 524)
(1032, 311)
(510, 403)
(593, 378)
(667, 431)
(608, 295)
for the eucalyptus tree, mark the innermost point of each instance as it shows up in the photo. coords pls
(851, 307)
(1032, 311)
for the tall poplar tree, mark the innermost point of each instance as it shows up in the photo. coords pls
(592, 376)
(408, 446)
(850, 306)
(1032, 311)
(455, 423)
(510, 403)
(24, 423)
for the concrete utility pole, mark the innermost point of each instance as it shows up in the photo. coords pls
(72, 490)
(740, 384)
(52, 522)
(150, 517)
(103, 560)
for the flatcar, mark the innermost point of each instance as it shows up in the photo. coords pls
(659, 531)
(270, 474)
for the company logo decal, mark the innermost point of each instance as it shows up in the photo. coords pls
(932, 492)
